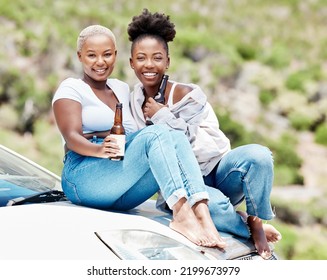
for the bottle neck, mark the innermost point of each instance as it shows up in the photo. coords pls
(118, 114)
(160, 97)
(118, 117)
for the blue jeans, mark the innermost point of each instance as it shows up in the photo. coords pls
(246, 172)
(154, 156)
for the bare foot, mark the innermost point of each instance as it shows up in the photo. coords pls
(185, 222)
(202, 214)
(272, 234)
(259, 237)
(243, 215)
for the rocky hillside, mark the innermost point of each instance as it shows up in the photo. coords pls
(262, 65)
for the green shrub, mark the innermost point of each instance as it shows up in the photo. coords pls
(284, 151)
(300, 121)
(285, 249)
(266, 97)
(247, 51)
(321, 134)
(49, 145)
(286, 161)
(297, 81)
(287, 175)
(277, 56)
(234, 131)
(312, 246)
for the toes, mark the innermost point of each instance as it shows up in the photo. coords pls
(265, 255)
(221, 243)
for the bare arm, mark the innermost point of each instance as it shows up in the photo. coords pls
(68, 115)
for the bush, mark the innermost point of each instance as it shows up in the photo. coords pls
(300, 121)
(287, 175)
(321, 134)
(284, 151)
(297, 81)
(278, 56)
(266, 97)
(285, 249)
(234, 131)
(286, 160)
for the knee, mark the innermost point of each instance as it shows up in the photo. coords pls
(166, 134)
(176, 136)
(153, 132)
(157, 129)
(179, 137)
(260, 155)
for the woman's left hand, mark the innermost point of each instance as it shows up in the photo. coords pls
(151, 107)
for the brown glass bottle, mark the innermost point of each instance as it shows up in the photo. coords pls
(118, 131)
(160, 97)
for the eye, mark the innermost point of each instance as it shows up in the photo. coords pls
(140, 58)
(158, 58)
(107, 55)
(91, 55)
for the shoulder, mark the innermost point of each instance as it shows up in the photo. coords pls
(116, 83)
(70, 88)
(120, 88)
(182, 91)
(70, 82)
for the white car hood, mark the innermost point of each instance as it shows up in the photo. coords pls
(65, 231)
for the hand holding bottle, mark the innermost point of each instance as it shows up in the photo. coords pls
(151, 107)
(159, 99)
(112, 148)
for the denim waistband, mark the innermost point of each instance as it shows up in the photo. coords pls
(94, 139)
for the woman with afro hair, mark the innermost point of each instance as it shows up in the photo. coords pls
(232, 175)
(155, 157)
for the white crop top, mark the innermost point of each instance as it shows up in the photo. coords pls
(97, 116)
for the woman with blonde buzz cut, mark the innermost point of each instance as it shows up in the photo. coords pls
(84, 111)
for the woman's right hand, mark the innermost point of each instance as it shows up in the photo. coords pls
(108, 148)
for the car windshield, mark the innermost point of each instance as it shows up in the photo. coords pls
(20, 177)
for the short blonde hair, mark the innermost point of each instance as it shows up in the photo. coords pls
(91, 31)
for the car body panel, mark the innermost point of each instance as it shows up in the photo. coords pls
(60, 230)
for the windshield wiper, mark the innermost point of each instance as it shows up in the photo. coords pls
(47, 196)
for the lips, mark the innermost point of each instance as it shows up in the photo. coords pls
(149, 74)
(100, 71)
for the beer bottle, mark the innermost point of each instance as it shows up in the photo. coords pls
(118, 131)
(160, 97)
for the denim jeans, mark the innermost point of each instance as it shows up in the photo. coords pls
(246, 172)
(154, 156)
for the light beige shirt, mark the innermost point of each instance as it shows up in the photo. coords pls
(195, 117)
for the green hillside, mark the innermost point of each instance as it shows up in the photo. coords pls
(261, 63)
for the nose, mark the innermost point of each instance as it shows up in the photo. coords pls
(100, 60)
(149, 63)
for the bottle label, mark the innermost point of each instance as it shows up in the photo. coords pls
(121, 143)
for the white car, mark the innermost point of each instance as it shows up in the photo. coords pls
(38, 222)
